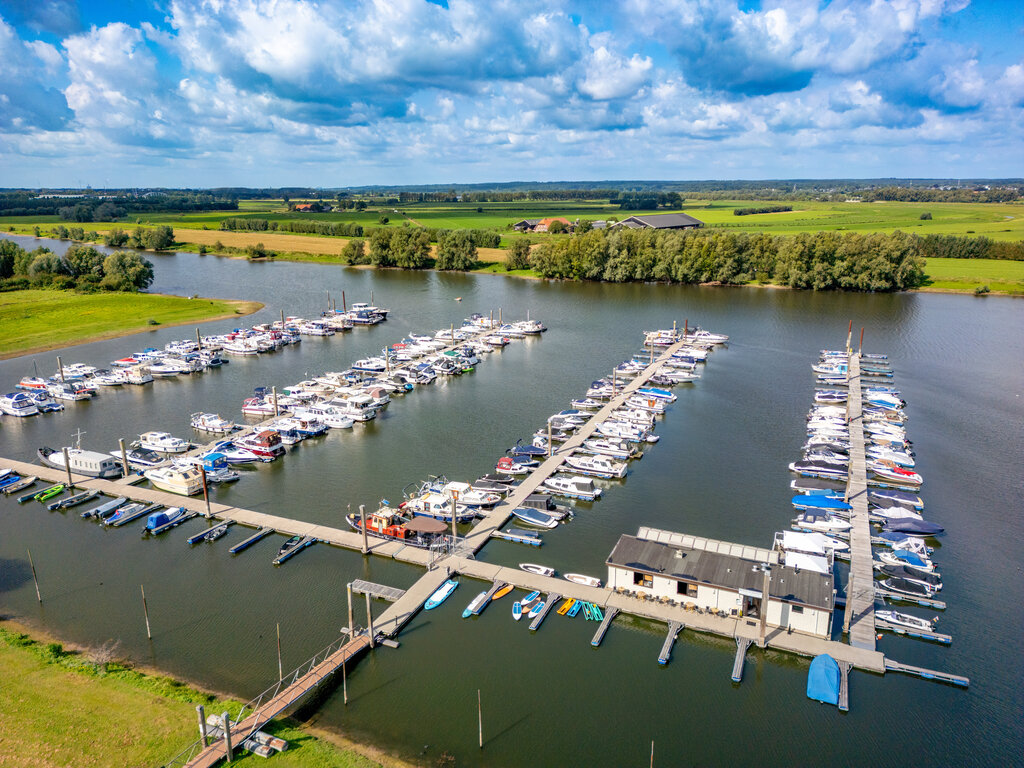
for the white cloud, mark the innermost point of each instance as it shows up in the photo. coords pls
(609, 76)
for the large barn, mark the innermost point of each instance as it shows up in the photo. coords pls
(661, 221)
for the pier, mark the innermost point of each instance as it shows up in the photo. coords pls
(742, 644)
(674, 628)
(549, 603)
(859, 614)
(602, 630)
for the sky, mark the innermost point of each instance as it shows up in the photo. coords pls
(267, 93)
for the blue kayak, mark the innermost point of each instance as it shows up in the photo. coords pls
(441, 594)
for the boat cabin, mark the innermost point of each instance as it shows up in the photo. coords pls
(723, 578)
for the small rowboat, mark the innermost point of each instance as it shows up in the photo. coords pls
(540, 570)
(579, 578)
(474, 607)
(535, 611)
(26, 482)
(440, 594)
(564, 609)
(517, 610)
(502, 592)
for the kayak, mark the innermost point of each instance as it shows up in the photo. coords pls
(440, 594)
(564, 609)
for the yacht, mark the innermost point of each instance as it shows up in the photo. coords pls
(265, 443)
(69, 390)
(163, 442)
(18, 404)
(186, 481)
(597, 465)
(212, 422)
(32, 383)
(573, 487)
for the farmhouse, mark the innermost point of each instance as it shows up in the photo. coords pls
(304, 207)
(540, 225)
(722, 578)
(661, 221)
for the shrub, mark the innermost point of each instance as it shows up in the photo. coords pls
(981, 290)
(926, 216)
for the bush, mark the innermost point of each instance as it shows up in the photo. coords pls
(518, 256)
(761, 209)
(926, 216)
(383, 220)
(258, 251)
(981, 290)
(126, 271)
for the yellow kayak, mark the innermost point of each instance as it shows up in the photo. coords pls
(564, 609)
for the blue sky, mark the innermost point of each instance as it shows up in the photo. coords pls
(281, 92)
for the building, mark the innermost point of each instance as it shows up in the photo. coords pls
(540, 225)
(723, 578)
(661, 221)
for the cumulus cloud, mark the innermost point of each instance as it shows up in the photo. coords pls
(28, 98)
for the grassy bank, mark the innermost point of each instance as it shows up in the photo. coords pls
(38, 320)
(967, 275)
(62, 707)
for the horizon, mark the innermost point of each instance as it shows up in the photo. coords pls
(338, 95)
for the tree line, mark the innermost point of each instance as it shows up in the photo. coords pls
(92, 208)
(955, 247)
(158, 238)
(482, 238)
(761, 209)
(82, 267)
(819, 261)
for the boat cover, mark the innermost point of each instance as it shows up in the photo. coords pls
(823, 680)
(819, 501)
(426, 525)
(913, 525)
(806, 562)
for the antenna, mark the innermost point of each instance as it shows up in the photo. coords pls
(78, 438)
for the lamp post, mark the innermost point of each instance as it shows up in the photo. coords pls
(766, 569)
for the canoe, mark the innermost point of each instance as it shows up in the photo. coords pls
(535, 611)
(502, 592)
(540, 570)
(564, 609)
(517, 610)
(440, 594)
(26, 482)
(474, 607)
(579, 578)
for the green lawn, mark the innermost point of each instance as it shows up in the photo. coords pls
(36, 320)
(967, 274)
(60, 708)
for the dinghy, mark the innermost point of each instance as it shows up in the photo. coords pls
(579, 578)
(540, 570)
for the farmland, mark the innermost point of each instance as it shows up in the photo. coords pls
(969, 274)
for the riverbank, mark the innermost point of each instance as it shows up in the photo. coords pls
(40, 320)
(72, 706)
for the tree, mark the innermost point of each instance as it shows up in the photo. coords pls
(584, 226)
(926, 216)
(354, 252)
(410, 248)
(456, 250)
(380, 247)
(84, 260)
(116, 237)
(383, 220)
(556, 227)
(46, 265)
(107, 212)
(518, 256)
(258, 251)
(126, 271)
(159, 238)
(8, 251)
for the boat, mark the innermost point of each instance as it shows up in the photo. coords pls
(906, 557)
(587, 403)
(905, 620)
(89, 463)
(389, 523)
(574, 608)
(140, 457)
(597, 465)
(823, 680)
(18, 404)
(212, 422)
(186, 481)
(540, 570)
(265, 443)
(564, 607)
(122, 514)
(437, 505)
(69, 390)
(535, 517)
(517, 610)
(104, 509)
(535, 610)
(474, 607)
(502, 591)
(216, 532)
(32, 383)
(465, 494)
(48, 493)
(573, 487)
(44, 403)
(617, 449)
(882, 495)
(820, 501)
(656, 394)
(912, 525)
(915, 589)
(440, 595)
(163, 442)
(823, 523)
(236, 455)
(289, 545)
(579, 578)
(23, 483)
(508, 466)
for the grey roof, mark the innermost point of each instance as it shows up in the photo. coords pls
(665, 221)
(528, 222)
(720, 570)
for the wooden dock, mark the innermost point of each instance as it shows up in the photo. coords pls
(742, 644)
(859, 617)
(844, 686)
(549, 603)
(674, 628)
(602, 630)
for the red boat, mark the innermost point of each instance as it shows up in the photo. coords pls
(266, 444)
(388, 523)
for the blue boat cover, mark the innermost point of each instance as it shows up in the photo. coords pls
(819, 501)
(912, 525)
(823, 680)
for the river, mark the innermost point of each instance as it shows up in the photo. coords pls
(719, 471)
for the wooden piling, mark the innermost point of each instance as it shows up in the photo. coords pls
(344, 307)
(60, 369)
(201, 714)
(280, 669)
(145, 611)
(199, 340)
(67, 467)
(369, 618)
(479, 719)
(344, 684)
(273, 393)
(226, 723)
(32, 565)
(362, 517)
(124, 457)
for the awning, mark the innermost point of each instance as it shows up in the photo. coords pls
(750, 592)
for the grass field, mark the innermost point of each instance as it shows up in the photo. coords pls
(61, 708)
(37, 320)
(967, 274)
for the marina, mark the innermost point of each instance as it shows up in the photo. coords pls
(642, 485)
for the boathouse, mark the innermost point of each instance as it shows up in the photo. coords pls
(721, 578)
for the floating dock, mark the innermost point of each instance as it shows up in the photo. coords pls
(519, 537)
(262, 533)
(135, 515)
(602, 630)
(674, 628)
(844, 687)
(928, 674)
(549, 603)
(307, 541)
(921, 634)
(742, 644)
(925, 601)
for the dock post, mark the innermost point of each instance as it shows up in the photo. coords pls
(199, 340)
(206, 492)
(32, 565)
(226, 722)
(452, 332)
(124, 457)
(351, 622)
(145, 611)
(280, 669)
(615, 381)
(369, 619)
(362, 517)
(499, 316)
(860, 347)
(686, 327)
(344, 682)
(67, 466)
(673, 326)
(60, 369)
(849, 336)
(371, 297)
(344, 306)
(549, 439)
(479, 719)
(273, 392)
(282, 319)
(201, 714)
(455, 529)
(491, 325)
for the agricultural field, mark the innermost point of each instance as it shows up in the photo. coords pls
(36, 320)
(970, 274)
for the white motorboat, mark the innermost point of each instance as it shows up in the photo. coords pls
(622, 431)
(32, 383)
(18, 404)
(163, 442)
(638, 416)
(535, 517)
(617, 449)
(186, 481)
(69, 390)
(597, 465)
(438, 506)
(540, 570)
(572, 486)
(579, 578)
(587, 404)
(138, 374)
(905, 620)
(471, 497)
(822, 523)
(212, 422)
(330, 415)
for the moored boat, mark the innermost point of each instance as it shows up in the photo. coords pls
(579, 578)
(440, 595)
(540, 570)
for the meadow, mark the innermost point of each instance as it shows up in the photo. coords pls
(38, 319)
(970, 274)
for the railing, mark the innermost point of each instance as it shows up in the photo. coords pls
(252, 707)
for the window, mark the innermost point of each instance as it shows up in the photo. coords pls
(797, 609)
(642, 579)
(682, 588)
